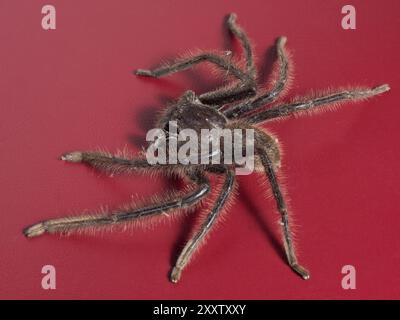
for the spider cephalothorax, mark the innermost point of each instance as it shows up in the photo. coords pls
(237, 106)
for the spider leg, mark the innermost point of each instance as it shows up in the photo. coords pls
(66, 224)
(246, 88)
(308, 105)
(237, 110)
(239, 33)
(107, 162)
(187, 63)
(242, 90)
(287, 234)
(198, 238)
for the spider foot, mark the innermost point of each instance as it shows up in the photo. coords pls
(143, 72)
(175, 274)
(231, 18)
(282, 41)
(75, 156)
(381, 89)
(35, 230)
(370, 92)
(301, 271)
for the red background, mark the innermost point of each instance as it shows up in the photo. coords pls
(72, 89)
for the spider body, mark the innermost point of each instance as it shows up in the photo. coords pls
(241, 105)
(190, 113)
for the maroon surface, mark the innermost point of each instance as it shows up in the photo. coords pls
(72, 89)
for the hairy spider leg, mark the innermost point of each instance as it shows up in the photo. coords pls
(312, 104)
(228, 94)
(120, 164)
(67, 224)
(236, 111)
(108, 163)
(206, 226)
(281, 206)
(239, 33)
(245, 87)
